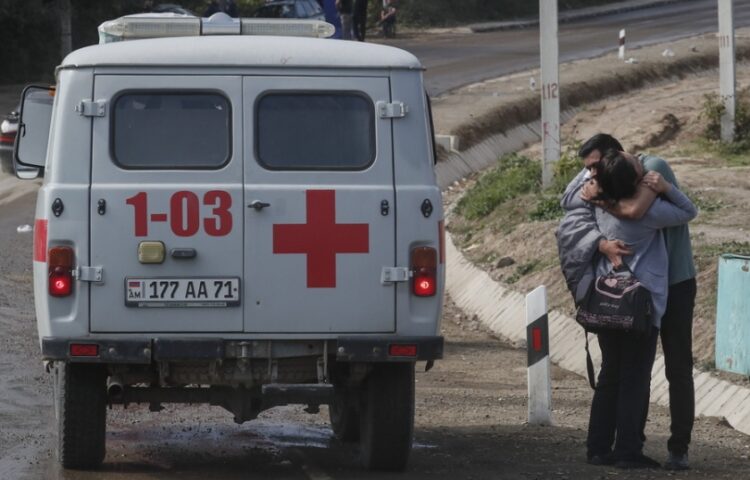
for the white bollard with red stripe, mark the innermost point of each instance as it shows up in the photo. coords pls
(621, 50)
(537, 347)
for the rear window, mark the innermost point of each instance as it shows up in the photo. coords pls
(315, 131)
(171, 130)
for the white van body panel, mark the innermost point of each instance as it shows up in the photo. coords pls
(67, 177)
(243, 51)
(164, 194)
(292, 292)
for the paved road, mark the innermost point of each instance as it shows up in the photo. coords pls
(453, 60)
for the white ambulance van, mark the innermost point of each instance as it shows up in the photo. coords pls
(237, 215)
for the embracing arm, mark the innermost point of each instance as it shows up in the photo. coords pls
(676, 210)
(575, 200)
(635, 207)
(571, 198)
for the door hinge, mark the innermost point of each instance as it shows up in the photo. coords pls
(392, 110)
(394, 274)
(88, 274)
(92, 108)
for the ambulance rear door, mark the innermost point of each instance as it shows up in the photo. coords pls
(320, 205)
(166, 204)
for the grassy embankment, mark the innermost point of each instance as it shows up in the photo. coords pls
(505, 221)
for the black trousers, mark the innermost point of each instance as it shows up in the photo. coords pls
(359, 19)
(677, 344)
(621, 394)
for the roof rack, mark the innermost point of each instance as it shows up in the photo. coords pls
(159, 25)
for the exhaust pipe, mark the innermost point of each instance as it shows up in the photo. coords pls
(115, 387)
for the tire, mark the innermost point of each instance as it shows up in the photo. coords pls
(81, 410)
(344, 414)
(387, 417)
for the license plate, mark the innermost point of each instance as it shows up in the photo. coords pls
(182, 292)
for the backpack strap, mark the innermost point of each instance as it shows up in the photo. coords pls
(589, 363)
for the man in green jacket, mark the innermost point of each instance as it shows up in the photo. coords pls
(677, 323)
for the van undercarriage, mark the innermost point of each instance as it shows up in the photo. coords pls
(367, 382)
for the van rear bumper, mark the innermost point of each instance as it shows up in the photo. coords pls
(379, 349)
(360, 348)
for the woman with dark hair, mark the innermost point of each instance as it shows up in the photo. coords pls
(622, 391)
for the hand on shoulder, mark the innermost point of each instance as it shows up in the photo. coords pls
(655, 181)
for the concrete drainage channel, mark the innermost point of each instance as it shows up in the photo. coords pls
(503, 310)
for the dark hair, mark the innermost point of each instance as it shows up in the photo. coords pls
(601, 142)
(616, 176)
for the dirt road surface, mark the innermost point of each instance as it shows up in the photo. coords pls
(470, 423)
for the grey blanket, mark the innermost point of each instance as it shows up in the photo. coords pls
(577, 239)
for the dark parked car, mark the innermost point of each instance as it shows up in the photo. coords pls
(8, 129)
(301, 9)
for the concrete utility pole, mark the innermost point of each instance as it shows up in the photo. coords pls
(550, 89)
(66, 41)
(727, 82)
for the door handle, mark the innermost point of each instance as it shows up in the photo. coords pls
(258, 205)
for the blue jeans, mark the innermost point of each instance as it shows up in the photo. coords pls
(621, 394)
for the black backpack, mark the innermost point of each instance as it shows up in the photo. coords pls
(616, 301)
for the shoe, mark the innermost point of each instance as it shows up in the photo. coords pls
(637, 461)
(677, 461)
(603, 459)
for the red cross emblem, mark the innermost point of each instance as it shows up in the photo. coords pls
(321, 238)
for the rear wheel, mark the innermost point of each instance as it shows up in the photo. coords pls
(387, 417)
(80, 406)
(344, 415)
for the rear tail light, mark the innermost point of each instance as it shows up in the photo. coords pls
(60, 262)
(84, 350)
(7, 138)
(424, 268)
(402, 350)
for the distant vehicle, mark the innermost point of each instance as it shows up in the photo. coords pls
(8, 129)
(171, 8)
(304, 9)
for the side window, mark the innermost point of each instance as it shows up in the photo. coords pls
(162, 130)
(315, 131)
